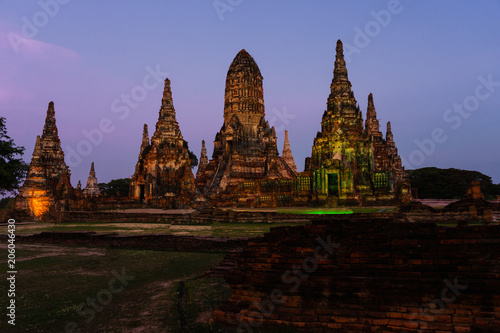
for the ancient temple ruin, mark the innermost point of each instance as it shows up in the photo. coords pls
(350, 163)
(245, 147)
(47, 185)
(163, 174)
(91, 190)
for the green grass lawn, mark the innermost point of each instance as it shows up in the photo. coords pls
(55, 284)
(50, 289)
(338, 211)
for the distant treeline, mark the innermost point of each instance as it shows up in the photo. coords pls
(115, 188)
(435, 183)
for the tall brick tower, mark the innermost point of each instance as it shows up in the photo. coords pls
(163, 172)
(245, 147)
(47, 183)
(350, 163)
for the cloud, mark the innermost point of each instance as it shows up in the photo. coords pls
(29, 66)
(40, 50)
(13, 43)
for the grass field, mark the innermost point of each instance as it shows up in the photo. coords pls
(336, 211)
(215, 229)
(54, 283)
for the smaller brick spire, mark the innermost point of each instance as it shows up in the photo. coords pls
(390, 140)
(287, 154)
(50, 128)
(92, 189)
(372, 125)
(38, 147)
(203, 156)
(203, 159)
(92, 170)
(167, 106)
(145, 138)
(340, 69)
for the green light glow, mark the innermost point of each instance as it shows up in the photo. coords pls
(318, 211)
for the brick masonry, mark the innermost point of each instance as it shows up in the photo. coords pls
(367, 275)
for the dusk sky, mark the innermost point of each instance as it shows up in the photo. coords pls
(433, 68)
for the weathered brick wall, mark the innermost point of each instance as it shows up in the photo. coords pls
(360, 275)
(106, 216)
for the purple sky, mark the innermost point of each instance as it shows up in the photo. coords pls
(427, 64)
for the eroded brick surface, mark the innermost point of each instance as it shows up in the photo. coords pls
(367, 276)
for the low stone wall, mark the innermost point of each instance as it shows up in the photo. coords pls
(361, 274)
(143, 242)
(208, 216)
(103, 216)
(197, 217)
(450, 218)
(250, 216)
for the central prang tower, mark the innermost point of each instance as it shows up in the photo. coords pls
(244, 95)
(245, 148)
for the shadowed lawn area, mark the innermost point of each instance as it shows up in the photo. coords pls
(53, 281)
(90, 289)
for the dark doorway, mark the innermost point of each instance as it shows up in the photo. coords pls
(141, 193)
(333, 184)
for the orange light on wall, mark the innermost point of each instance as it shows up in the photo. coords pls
(39, 202)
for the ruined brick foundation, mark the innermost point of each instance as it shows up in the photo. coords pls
(369, 275)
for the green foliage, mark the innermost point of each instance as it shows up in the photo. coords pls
(6, 203)
(192, 156)
(435, 183)
(495, 189)
(12, 167)
(116, 187)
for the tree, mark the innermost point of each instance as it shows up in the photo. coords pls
(12, 168)
(452, 183)
(116, 187)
